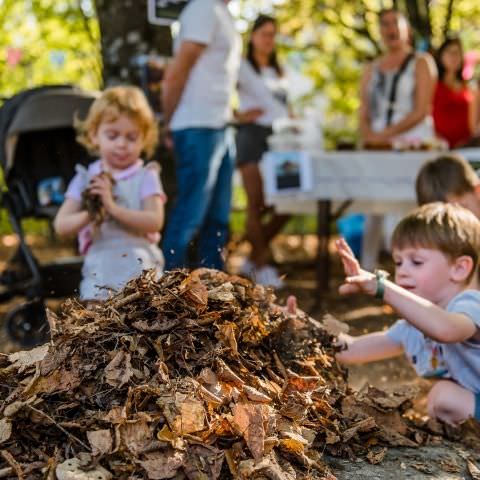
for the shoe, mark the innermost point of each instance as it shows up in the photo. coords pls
(268, 276)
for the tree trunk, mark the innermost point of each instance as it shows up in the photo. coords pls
(126, 38)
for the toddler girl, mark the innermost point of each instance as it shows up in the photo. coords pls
(119, 127)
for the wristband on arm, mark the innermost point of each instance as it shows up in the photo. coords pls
(380, 276)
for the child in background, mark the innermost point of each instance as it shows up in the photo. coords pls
(449, 178)
(119, 127)
(435, 249)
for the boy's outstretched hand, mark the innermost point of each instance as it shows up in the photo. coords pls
(356, 279)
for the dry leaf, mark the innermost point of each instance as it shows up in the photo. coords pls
(249, 420)
(227, 334)
(222, 293)
(191, 418)
(376, 456)
(71, 470)
(161, 465)
(100, 441)
(473, 470)
(5, 429)
(24, 359)
(119, 371)
(136, 435)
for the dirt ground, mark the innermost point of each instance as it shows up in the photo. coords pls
(295, 257)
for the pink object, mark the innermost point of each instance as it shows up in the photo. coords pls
(14, 55)
(469, 60)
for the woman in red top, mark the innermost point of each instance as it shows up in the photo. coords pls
(454, 104)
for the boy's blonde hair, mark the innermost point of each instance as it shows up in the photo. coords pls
(451, 229)
(113, 103)
(446, 175)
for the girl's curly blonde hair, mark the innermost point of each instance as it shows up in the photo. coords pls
(113, 103)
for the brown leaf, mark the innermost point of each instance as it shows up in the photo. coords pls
(450, 465)
(156, 326)
(249, 419)
(395, 439)
(361, 426)
(227, 334)
(267, 468)
(24, 359)
(119, 371)
(58, 381)
(195, 292)
(473, 470)
(191, 418)
(136, 435)
(376, 456)
(222, 293)
(5, 429)
(71, 469)
(301, 385)
(100, 441)
(203, 462)
(255, 396)
(161, 465)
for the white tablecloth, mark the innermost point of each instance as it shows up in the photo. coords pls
(378, 182)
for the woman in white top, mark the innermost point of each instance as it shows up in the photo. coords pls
(262, 89)
(397, 88)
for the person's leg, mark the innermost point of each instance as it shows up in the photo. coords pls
(451, 403)
(275, 225)
(252, 182)
(193, 149)
(215, 226)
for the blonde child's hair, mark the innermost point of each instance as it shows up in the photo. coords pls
(448, 228)
(448, 174)
(113, 103)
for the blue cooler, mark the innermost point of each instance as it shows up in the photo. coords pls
(351, 228)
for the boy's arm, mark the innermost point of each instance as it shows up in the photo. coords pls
(70, 219)
(435, 322)
(367, 348)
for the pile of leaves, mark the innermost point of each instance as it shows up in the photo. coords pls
(198, 375)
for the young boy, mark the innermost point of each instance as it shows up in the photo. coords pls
(435, 249)
(449, 178)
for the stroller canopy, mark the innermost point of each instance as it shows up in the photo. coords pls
(43, 108)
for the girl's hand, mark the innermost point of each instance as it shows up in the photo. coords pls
(101, 185)
(357, 280)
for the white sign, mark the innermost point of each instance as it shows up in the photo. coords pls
(287, 172)
(164, 12)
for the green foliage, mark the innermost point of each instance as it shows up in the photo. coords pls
(59, 42)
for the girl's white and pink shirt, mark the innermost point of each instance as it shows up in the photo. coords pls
(150, 185)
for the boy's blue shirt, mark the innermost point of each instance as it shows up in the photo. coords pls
(458, 361)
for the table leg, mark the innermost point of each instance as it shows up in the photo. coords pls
(324, 218)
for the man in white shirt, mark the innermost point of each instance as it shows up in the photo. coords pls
(196, 100)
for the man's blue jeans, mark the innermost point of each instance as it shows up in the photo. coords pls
(204, 166)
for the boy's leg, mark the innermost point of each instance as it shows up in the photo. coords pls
(452, 403)
(214, 230)
(195, 152)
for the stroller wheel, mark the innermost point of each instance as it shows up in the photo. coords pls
(27, 324)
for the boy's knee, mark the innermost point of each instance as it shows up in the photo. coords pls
(450, 403)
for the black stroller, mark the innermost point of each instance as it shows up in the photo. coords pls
(38, 154)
